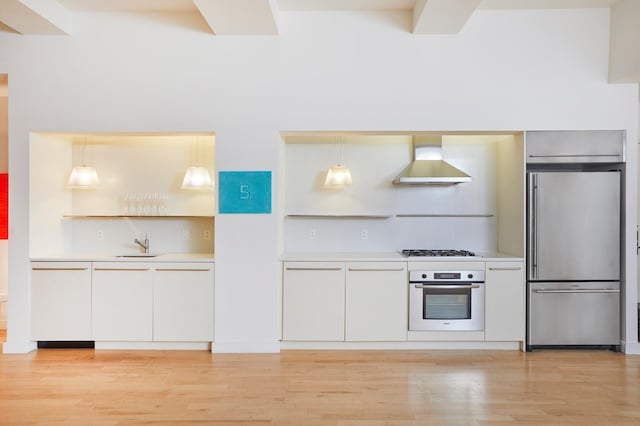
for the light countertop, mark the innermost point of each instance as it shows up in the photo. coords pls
(390, 257)
(102, 257)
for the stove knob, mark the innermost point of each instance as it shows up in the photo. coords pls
(470, 276)
(424, 276)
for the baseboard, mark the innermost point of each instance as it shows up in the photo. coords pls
(406, 345)
(167, 346)
(630, 348)
(246, 347)
(20, 347)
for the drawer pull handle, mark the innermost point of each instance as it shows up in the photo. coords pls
(58, 269)
(514, 268)
(446, 287)
(120, 269)
(375, 270)
(182, 270)
(314, 269)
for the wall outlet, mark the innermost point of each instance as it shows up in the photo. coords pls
(185, 235)
(364, 234)
(206, 234)
(312, 234)
(100, 235)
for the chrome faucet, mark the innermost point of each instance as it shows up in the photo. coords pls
(144, 245)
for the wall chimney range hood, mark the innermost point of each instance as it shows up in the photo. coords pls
(428, 167)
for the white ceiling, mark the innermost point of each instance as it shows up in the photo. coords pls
(317, 5)
(240, 16)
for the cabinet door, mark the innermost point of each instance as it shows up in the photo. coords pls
(122, 301)
(376, 301)
(505, 301)
(61, 301)
(313, 301)
(183, 302)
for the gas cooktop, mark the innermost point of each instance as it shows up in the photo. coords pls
(436, 252)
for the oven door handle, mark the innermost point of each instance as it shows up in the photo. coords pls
(446, 287)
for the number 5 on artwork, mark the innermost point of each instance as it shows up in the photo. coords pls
(245, 192)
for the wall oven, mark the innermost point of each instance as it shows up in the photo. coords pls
(446, 300)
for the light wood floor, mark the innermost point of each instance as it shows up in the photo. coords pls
(320, 388)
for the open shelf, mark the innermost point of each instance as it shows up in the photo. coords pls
(340, 216)
(447, 215)
(106, 216)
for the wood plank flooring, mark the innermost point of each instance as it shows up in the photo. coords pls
(359, 388)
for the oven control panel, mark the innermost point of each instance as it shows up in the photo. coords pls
(448, 276)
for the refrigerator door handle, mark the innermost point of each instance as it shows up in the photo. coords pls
(533, 228)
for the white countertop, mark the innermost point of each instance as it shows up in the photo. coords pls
(102, 257)
(390, 257)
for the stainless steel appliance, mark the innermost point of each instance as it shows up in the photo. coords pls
(446, 300)
(436, 252)
(428, 166)
(573, 255)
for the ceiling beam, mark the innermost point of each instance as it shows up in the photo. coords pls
(624, 55)
(240, 17)
(442, 16)
(37, 17)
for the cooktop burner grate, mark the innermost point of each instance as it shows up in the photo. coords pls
(435, 252)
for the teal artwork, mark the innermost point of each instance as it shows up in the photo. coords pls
(244, 192)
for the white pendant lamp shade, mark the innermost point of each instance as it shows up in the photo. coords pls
(83, 177)
(197, 178)
(337, 177)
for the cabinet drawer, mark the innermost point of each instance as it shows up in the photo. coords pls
(122, 302)
(61, 301)
(183, 300)
(313, 301)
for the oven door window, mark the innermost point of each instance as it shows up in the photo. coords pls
(446, 304)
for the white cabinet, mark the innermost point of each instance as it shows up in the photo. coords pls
(183, 302)
(61, 301)
(331, 301)
(505, 301)
(313, 301)
(376, 301)
(122, 301)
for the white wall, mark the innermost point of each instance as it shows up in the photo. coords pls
(128, 164)
(624, 58)
(507, 70)
(374, 162)
(511, 196)
(49, 200)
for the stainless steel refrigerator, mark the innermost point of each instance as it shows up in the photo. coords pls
(573, 257)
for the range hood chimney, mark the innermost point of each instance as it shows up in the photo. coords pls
(428, 167)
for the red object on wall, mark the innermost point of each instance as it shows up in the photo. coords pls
(4, 206)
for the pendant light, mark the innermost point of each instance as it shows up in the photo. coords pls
(83, 177)
(338, 176)
(197, 177)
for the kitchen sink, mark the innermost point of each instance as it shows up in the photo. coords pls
(138, 255)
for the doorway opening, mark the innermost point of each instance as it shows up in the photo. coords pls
(4, 204)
